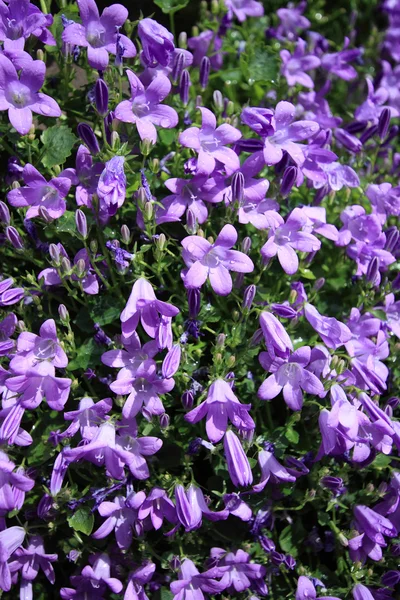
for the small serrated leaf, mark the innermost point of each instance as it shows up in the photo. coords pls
(58, 143)
(82, 520)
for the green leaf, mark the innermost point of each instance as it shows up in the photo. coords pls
(169, 7)
(88, 354)
(105, 311)
(66, 223)
(286, 540)
(292, 436)
(82, 520)
(166, 594)
(260, 63)
(58, 142)
(307, 274)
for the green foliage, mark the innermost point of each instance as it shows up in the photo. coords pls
(58, 142)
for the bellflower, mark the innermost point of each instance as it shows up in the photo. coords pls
(244, 8)
(143, 305)
(277, 341)
(99, 33)
(137, 580)
(372, 107)
(372, 528)
(85, 176)
(33, 349)
(144, 107)
(271, 470)
(186, 194)
(13, 485)
(294, 66)
(29, 561)
(191, 506)
(240, 573)
(207, 43)
(86, 418)
(21, 96)
(332, 332)
(111, 188)
(19, 19)
(38, 382)
(39, 193)
(291, 21)
(290, 376)
(191, 584)
(157, 507)
(306, 590)
(94, 580)
(385, 199)
(8, 294)
(339, 62)
(89, 281)
(211, 142)
(10, 539)
(237, 462)
(220, 406)
(361, 592)
(214, 261)
(157, 43)
(121, 516)
(287, 238)
(7, 329)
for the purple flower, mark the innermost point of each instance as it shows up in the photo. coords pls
(20, 95)
(39, 193)
(237, 462)
(361, 592)
(191, 506)
(86, 418)
(9, 295)
(33, 349)
(244, 8)
(214, 261)
(186, 194)
(121, 515)
(143, 304)
(93, 581)
(39, 382)
(385, 199)
(29, 561)
(144, 108)
(157, 43)
(157, 507)
(85, 176)
(111, 188)
(289, 376)
(371, 109)
(10, 539)
(332, 332)
(220, 405)
(13, 485)
(277, 341)
(392, 309)
(295, 65)
(372, 528)
(271, 470)
(7, 328)
(99, 33)
(88, 281)
(191, 584)
(237, 572)
(19, 19)
(132, 358)
(291, 21)
(137, 580)
(306, 590)
(207, 43)
(211, 142)
(289, 237)
(237, 507)
(339, 62)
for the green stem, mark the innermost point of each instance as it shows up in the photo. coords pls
(172, 23)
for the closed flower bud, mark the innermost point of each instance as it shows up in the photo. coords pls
(384, 122)
(175, 563)
(256, 338)
(277, 341)
(54, 254)
(171, 362)
(40, 54)
(184, 84)
(125, 234)
(148, 211)
(187, 400)
(191, 222)
(204, 72)
(63, 312)
(141, 197)
(146, 146)
(115, 140)
(93, 246)
(231, 361)
(230, 108)
(164, 421)
(372, 271)
(237, 187)
(81, 223)
(65, 266)
(178, 66)
(349, 141)
(182, 40)
(392, 238)
(248, 297)
(237, 462)
(155, 165)
(88, 137)
(14, 238)
(4, 213)
(288, 180)
(161, 242)
(80, 268)
(246, 245)
(220, 341)
(218, 101)
(368, 134)
(194, 299)
(343, 540)
(319, 284)
(101, 97)
(44, 214)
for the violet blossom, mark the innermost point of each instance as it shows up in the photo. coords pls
(271, 470)
(121, 516)
(191, 506)
(244, 8)
(294, 66)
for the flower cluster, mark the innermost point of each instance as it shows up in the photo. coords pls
(199, 302)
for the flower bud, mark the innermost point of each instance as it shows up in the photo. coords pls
(204, 72)
(171, 362)
(220, 341)
(164, 421)
(372, 274)
(191, 222)
(155, 165)
(141, 197)
(101, 97)
(237, 187)
(4, 213)
(161, 242)
(384, 122)
(178, 66)
(44, 214)
(248, 297)
(218, 101)
(88, 137)
(115, 140)
(182, 40)
(93, 246)
(63, 312)
(392, 238)
(368, 134)
(237, 462)
(319, 284)
(80, 268)
(65, 266)
(288, 180)
(256, 338)
(246, 245)
(187, 399)
(146, 146)
(175, 563)
(40, 55)
(54, 254)
(14, 238)
(81, 223)
(125, 234)
(184, 84)
(194, 300)
(148, 211)
(349, 141)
